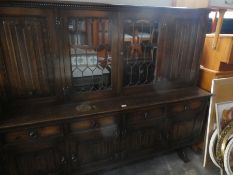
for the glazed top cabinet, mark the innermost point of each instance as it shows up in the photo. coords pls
(85, 87)
(95, 51)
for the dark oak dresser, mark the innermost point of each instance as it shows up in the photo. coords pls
(89, 87)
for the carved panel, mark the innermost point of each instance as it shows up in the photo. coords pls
(96, 150)
(36, 159)
(180, 42)
(141, 142)
(27, 56)
(186, 125)
(94, 142)
(145, 137)
(88, 153)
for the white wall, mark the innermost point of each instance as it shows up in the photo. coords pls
(130, 2)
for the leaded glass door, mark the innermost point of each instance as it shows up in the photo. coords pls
(139, 51)
(90, 50)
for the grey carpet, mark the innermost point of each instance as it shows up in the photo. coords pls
(169, 164)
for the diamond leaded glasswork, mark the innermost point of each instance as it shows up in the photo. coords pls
(90, 52)
(140, 46)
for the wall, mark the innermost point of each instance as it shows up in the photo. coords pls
(130, 2)
(204, 3)
(222, 3)
(192, 3)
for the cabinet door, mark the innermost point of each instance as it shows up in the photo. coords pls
(186, 121)
(138, 46)
(94, 142)
(144, 132)
(180, 45)
(35, 158)
(26, 52)
(87, 51)
(34, 150)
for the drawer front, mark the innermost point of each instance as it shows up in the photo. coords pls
(95, 123)
(32, 133)
(145, 116)
(190, 105)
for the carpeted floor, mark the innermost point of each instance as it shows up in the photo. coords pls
(169, 164)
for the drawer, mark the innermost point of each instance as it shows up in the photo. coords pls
(93, 123)
(32, 133)
(190, 105)
(145, 115)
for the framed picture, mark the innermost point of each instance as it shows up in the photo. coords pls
(224, 114)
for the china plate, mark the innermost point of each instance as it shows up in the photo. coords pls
(212, 145)
(227, 157)
(224, 137)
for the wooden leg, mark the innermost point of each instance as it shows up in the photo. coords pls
(182, 153)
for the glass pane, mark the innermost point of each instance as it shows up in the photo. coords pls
(90, 51)
(140, 46)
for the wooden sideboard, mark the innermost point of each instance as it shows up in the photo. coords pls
(89, 87)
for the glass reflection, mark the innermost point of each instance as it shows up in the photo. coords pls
(90, 52)
(140, 46)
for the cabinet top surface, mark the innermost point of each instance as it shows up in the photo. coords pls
(89, 4)
(26, 116)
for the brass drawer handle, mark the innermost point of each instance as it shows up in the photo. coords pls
(74, 157)
(33, 134)
(63, 160)
(186, 107)
(117, 133)
(146, 115)
(93, 124)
